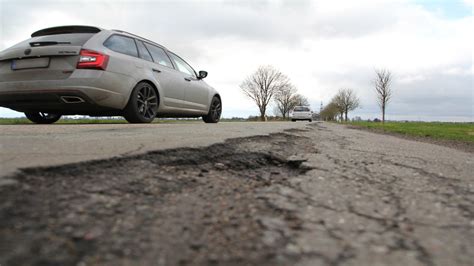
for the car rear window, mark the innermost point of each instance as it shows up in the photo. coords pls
(122, 44)
(301, 109)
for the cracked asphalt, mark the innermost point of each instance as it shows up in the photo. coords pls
(319, 194)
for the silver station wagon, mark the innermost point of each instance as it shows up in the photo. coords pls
(83, 70)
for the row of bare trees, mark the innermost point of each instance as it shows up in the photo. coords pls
(267, 84)
(346, 100)
(341, 104)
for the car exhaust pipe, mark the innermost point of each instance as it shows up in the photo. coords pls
(72, 99)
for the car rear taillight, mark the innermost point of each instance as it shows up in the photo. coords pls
(92, 60)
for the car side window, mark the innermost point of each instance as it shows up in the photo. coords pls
(122, 44)
(182, 65)
(159, 55)
(143, 52)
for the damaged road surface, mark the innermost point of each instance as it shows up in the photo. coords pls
(323, 195)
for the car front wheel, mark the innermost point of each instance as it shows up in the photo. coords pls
(142, 106)
(215, 110)
(42, 118)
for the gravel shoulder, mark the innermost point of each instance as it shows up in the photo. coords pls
(319, 195)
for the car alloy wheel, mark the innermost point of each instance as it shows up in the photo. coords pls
(147, 101)
(142, 106)
(215, 111)
(42, 117)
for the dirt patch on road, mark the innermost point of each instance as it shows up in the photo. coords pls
(175, 207)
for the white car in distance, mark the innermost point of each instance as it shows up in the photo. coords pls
(301, 113)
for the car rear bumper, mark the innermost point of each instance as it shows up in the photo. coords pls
(301, 117)
(54, 101)
(84, 92)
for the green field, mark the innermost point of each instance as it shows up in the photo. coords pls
(435, 130)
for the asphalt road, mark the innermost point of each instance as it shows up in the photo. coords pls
(320, 194)
(45, 145)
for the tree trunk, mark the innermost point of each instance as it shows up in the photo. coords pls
(345, 116)
(383, 113)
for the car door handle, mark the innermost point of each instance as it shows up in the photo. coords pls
(187, 79)
(156, 70)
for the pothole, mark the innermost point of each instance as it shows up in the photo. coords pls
(180, 206)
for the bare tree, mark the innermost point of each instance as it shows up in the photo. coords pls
(330, 112)
(383, 82)
(287, 99)
(284, 99)
(276, 111)
(351, 101)
(338, 103)
(300, 100)
(345, 100)
(262, 85)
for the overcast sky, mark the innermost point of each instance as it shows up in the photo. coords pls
(321, 45)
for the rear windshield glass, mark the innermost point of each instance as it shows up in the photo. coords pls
(301, 109)
(73, 39)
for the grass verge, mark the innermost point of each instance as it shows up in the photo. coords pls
(435, 130)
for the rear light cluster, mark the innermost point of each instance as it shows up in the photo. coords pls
(92, 60)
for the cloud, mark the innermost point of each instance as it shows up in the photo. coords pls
(469, 3)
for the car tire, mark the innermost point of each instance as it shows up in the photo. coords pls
(293, 120)
(142, 106)
(215, 111)
(42, 118)
(310, 120)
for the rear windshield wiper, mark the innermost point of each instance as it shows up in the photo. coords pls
(36, 44)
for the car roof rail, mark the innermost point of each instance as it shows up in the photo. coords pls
(140, 37)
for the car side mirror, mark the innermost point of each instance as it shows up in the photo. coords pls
(202, 74)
